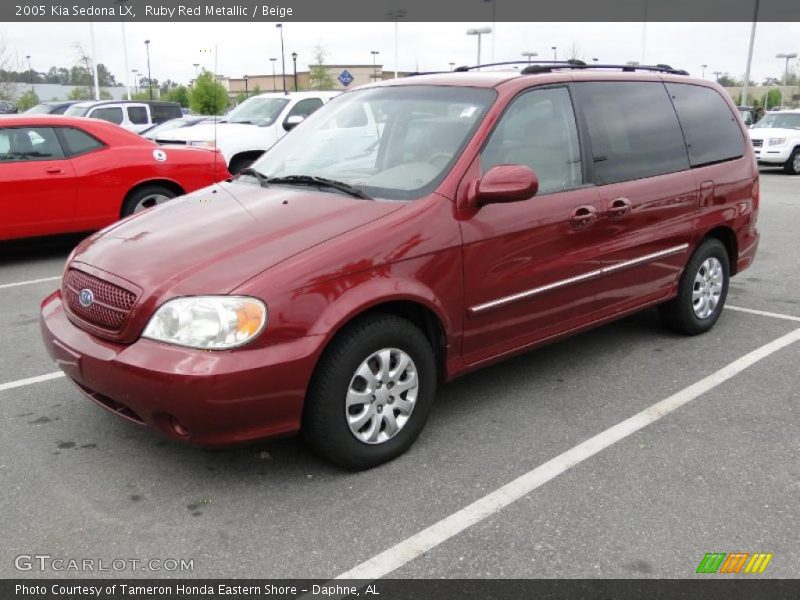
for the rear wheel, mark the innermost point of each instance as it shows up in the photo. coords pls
(371, 394)
(146, 197)
(792, 166)
(702, 290)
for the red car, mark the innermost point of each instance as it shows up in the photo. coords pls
(404, 234)
(64, 174)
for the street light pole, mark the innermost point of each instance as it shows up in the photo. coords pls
(555, 52)
(529, 55)
(283, 57)
(245, 86)
(294, 61)
(124, 49)
(94, 63)
(788, 56)
(396, 15)
(30, 71)
(196, 69)
(704, 70)
(374, 65)
(274, 83)
(135, 80)
(716, 75)
(746, 82)
(452, 64)
(149, 78)
(479, 31)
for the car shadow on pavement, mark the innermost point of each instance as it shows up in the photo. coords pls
(41, 248)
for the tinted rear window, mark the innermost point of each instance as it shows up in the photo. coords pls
(709, 125)
(165, 112)
(633, 130)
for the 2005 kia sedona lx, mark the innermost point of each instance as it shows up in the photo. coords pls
(405, 233)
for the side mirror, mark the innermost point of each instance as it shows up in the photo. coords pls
(506, 183)
(292, 122)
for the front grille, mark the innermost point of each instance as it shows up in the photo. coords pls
(111, 304)
(758, 143)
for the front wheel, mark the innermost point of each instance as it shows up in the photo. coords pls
(702, 290)
(792, 166)
(371, 393)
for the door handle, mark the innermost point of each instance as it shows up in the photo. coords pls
(618, 208)
(54, 171)
(583, 216)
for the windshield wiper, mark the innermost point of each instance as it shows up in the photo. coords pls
(321, 182)
(263, 180)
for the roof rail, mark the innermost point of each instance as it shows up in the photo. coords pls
(547, 66)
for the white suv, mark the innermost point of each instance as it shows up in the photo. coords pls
(251, 128)
(132, 115)
(776, 140)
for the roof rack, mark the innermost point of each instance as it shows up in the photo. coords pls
(547, 66)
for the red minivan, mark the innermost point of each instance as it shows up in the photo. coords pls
(404, 234)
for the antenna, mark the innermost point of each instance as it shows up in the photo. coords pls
(216, 110)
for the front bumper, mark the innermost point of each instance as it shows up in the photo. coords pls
(206, 398)
(772, 155)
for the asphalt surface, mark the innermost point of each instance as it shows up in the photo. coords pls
(719, 474)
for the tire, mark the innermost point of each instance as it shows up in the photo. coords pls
(707, 272)
(327, 417)
(792, 166)
(146, 197)
(239, 163)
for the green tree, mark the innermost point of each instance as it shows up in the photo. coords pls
(177, 94)
(27, 100)
(80, 93)
(773, 98)
(256, 90)
(208, 97)
(241, 97)
(318, 76)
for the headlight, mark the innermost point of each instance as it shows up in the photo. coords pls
(202, 143)
(777, 141)
(208, 322)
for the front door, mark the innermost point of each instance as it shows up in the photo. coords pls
(530, 267)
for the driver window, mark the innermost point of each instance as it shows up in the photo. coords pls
(538, 130)
(27, 144)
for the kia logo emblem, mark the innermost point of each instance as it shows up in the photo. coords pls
(86, 298)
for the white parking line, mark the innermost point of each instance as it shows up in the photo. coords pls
(427, 539)
(29, 282)
(762, 313)
(29, 380)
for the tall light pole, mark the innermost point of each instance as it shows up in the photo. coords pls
(135, 80)
(124, 48)
(294, 65)
(196, 69)
(274, 83)
(479, 31)
(555, 52)
(396, 15)
(452, 64)
(787, 57)
(746, 81)
(530, 55)
(717, 75)
(283, 57)
(245, 86)
(94, 63)
(704, 70)
(374, 64)
(30, 71)
(149, 78)
(494, 22)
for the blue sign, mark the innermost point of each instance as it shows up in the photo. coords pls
(345, 78)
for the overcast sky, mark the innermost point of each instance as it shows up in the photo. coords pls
(247, 47)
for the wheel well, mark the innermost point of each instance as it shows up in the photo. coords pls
(170, 185)
(423, 317)
(728, 239)
(250, 154)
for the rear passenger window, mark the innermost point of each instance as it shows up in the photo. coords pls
(633, 130)
(137, 115)
(112, 114)
(710, 127)
(538, 130)
(165, 112)
(78, 142)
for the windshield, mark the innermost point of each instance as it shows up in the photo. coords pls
(77, 111)
(40, 109)
(257, 111)
(779, 121)
(388, 142)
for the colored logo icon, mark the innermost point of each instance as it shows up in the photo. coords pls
(734, 562)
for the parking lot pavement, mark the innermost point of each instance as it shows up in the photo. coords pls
(718, 474)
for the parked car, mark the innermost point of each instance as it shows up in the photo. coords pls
(61, 174)
(54, 107)
(776, 140)
(134, 116)
(252, 127)
(749, 115)
(7, 108)
(151, 133)
(497, 212)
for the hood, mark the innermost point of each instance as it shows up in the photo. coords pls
(213, 240)
(205, 131)
(763, 133)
